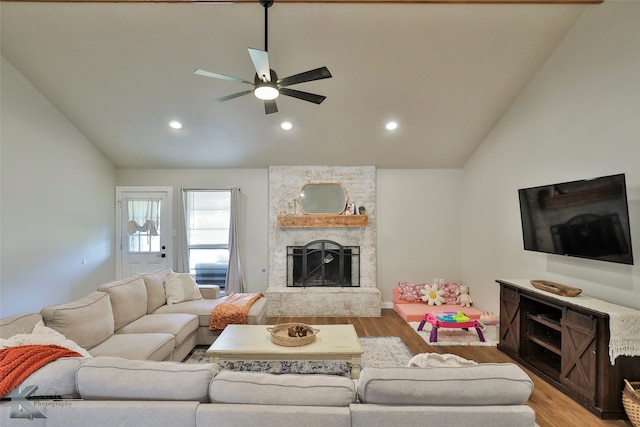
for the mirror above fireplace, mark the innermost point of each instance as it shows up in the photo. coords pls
(323, 198)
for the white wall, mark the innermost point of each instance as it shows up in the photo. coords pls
(57, 203)
(578, 118)
(253, 184)
(419, 214)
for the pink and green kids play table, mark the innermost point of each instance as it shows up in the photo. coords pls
(449, 320)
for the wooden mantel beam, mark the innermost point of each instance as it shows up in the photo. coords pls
(330, 1)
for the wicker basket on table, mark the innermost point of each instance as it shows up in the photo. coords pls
(292, 334)
(631, 401)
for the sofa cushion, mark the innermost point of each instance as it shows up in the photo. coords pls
(483, 384)
(115, 378)
(87, 321)
(137, 346)
(56, 379)
(181, 287)
(42, 335)
(179, 325)
(22, 323)
(125, 413)
(286, 389)
(156, 296)
(128, 299)
(203, 308)
(443, 416)
(223, 415)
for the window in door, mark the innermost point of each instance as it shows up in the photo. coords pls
(207, 221)
(143, 225)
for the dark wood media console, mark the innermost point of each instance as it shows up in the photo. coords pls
(567, 345)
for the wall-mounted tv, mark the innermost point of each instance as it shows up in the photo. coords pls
(587, 218)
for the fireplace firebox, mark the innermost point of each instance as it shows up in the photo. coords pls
(323, 263)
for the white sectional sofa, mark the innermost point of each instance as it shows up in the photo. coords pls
(133, 377)
(131, 318)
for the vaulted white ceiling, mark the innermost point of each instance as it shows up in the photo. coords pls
(445, 72)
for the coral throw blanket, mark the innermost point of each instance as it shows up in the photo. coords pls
(232, 311)
(17, 363)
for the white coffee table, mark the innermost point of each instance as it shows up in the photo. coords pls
(253, 343)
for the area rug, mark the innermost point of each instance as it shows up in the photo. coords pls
(453, 337)
(379, 352)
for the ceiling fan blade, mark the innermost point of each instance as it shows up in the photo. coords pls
(306, 96)
(307, 76)
(270, 107)
(221, 76)
(232, 96)
(260, 59)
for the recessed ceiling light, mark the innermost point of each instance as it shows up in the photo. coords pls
(391, 125)
(174, 124)
(286, 125)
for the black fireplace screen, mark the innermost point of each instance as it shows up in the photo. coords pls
(323, 263)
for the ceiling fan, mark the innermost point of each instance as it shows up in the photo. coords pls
(266, 85)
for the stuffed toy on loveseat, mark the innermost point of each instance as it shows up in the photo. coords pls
(412, 300)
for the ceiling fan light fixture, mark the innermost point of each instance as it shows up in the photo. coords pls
(266, 92)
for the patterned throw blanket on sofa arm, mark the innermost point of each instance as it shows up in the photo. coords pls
(234, 310)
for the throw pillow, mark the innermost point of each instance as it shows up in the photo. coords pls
(451, 291)
(432, 296)
(181, 287)
(410, 291)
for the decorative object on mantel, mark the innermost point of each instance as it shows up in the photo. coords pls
(351, 209)
(556, 288)
(323, 198)
(362, 210)
(302, 334)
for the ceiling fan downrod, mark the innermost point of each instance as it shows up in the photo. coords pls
(266, 4)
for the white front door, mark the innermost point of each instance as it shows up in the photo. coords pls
(143, 224)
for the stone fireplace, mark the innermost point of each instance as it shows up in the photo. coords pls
(327, 285)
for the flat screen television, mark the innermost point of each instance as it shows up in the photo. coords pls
(587, 219)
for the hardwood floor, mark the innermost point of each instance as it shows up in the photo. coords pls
(553, 408)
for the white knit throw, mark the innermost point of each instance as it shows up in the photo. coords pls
(624, 322)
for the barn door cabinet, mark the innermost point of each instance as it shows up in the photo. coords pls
(565, 344)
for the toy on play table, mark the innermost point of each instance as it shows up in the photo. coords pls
(451, 320)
